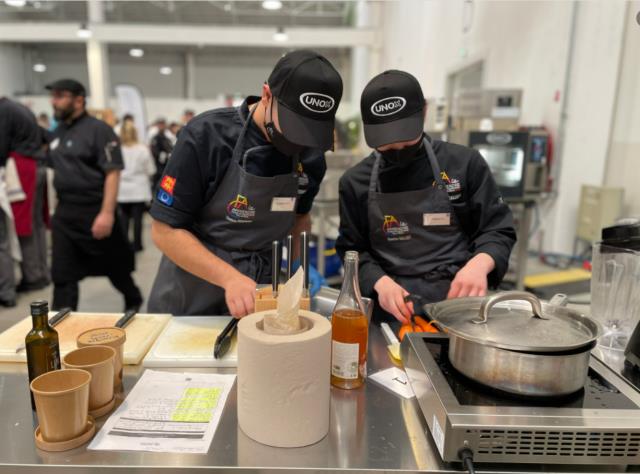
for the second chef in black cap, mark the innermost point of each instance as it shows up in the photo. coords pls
(425, 215)
(238, 179)
(88, 238)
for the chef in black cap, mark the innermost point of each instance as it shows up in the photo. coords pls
(238, 179)
(426, 216)
(87, 237)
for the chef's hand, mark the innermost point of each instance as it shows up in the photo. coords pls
(391, 299)
(102, 225)
(471, 280)
(240, 295)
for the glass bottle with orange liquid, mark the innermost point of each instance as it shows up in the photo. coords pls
(349, 331)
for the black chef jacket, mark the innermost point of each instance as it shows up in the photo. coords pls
(202, 155)
(19, 130)
(81, 153)
(483, 215)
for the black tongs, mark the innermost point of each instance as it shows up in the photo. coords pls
(223, 341)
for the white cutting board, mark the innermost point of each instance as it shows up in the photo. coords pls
(187, 341)
(141, 331)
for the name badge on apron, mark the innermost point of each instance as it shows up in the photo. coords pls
(440, 218)
(283, 204)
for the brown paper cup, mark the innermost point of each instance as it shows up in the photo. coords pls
(99, 361)
(62, 403)
(112, 337)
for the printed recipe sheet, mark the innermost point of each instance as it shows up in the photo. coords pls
(167, 412)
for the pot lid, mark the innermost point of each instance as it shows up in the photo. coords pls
(515, 320)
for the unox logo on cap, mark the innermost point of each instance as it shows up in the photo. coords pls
(388, 106)
(316, 102)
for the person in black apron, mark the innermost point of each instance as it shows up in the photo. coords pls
(426, 216)
(87, 235)
(238, 179)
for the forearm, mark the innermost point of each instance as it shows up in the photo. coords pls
(301, 224)
(110, 194)
(483, 262)
(186, 251)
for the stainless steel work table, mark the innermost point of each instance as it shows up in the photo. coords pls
(371, 430)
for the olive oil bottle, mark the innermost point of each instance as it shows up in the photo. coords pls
(42, 346)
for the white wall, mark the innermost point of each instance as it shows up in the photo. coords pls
(12, 70)
(523, 44)
(591, 97)
(623, 164)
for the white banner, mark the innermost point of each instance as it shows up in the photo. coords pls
(130, 101)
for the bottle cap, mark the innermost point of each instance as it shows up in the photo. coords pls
(39, 307)
(351, 255)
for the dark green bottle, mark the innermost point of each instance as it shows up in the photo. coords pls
(42, 346)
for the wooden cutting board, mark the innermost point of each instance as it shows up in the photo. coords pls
(141, 331)
(187, 341)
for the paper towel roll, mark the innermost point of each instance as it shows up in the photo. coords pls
(284, 381)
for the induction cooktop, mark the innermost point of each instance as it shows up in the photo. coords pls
(599, 424)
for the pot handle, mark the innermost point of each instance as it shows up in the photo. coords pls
(490, 302)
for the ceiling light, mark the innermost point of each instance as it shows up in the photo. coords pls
(84, 31)
(166, 70)
(136, 52)
(272, 4)
(16, 3)
(39, 67)
(280, 35)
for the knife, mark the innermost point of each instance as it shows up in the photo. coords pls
(59, 316)
(289, 255)
(124, 320)
(304, 256)
(223, 341)
(275, 266)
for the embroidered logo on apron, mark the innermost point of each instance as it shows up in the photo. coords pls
(451, 185)
(239, 210)
(395, 230)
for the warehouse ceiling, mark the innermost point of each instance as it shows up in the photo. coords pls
(298, 13)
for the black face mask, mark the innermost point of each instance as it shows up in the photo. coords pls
(279, 141)
(404, 155)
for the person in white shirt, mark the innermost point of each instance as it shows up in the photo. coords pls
(134, 192)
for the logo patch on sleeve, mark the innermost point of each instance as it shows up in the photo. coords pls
(164, 198)
(168, 183)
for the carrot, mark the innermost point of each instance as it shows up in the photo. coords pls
(425, 325)
(405, 328)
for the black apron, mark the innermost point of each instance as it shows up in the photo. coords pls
(415, 236)
(238, 224)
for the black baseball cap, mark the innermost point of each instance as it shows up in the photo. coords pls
(308, 90)
(70, 85)
(392, 108)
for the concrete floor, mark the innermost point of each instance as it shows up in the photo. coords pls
(96, 293)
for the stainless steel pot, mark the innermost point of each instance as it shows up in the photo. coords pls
(513, 342)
